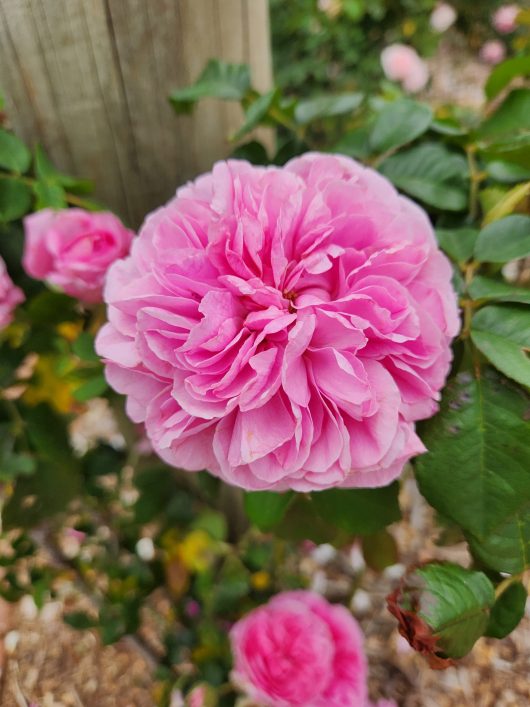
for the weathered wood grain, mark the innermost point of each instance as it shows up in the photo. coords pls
(89, 80)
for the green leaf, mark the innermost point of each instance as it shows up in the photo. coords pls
(80, 620)
(359, 511)
(14, 465)
(455, 603)
(486, 288)
(212, 522)
(380, 550)
(15, 199)
(266, 508)
(232, 585)
(47, 172)
(502, 334)
(92, 388)
(432, 173)
(507, 611)
(507, 172)
(326, 106)
(512, 117)
(256, 112)
(477, 470)
(458, 243)
(14, 155)
(506, 548)
(355, 143)
(504, 240)
(49, 195)
(252, 151)
(83, 347)
(399, 123)
(229, 82)
(503, 73)
(301, 522)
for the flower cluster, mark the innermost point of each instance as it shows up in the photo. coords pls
(283, 327)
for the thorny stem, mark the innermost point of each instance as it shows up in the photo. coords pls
(476, 178)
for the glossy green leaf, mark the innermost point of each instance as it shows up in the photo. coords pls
(507, 172)
(455, 604)
(46, 171)
(486, 288)
(512, 117)
(49, 195)
(15, 199)
(326, 106)
(14, 155)
(432, 173)
(83, 347)
(359, 511)
(355, 143)
(504, 240)
(507, 611)
(504, 73)
(506, 548)
(458, 243)
(256, 112)
(229, 82)
(399, 123)
(92, 388)
(502, 334)
(477, 469)
(266, 508)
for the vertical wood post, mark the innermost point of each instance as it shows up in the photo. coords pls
(89, 80)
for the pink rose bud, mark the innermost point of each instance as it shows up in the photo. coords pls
(442, 17)
(403, 63)
(505, 19)
(72, 249)
(493, 52)
(300, 650)
(283, 327)
(10, 297)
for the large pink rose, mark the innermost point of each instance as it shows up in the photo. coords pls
(73, 249)
(283, 327)
(10, 296)
(299, 650)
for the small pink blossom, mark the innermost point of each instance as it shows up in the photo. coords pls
(300, 651)
(197, 697)
(505, 19)
(493, 52)
(283, 327)
(442, 17)
(72, 249)
(10, 296)
(403, 63)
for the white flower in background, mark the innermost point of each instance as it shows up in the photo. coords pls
(96, 424)
(403, 63)
(505, 18)
(145, 549)
(442, 17)
(330, 7)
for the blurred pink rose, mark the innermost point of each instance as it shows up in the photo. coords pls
(299, 650)
(197, 697)
(493, 52)
(283, 327)
(10, 296)
(73, 249)
(402, 63)
(504, 19)
(442, 17)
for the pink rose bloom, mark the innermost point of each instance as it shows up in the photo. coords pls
(493, 52)
(283, 327)
(442, 17)
(10, 297)
(299, 650)
(505, 18)
(402, 63)
(72, 249)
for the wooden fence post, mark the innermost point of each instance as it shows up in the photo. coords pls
(89, 80)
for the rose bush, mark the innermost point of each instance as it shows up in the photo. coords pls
(283, 328)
